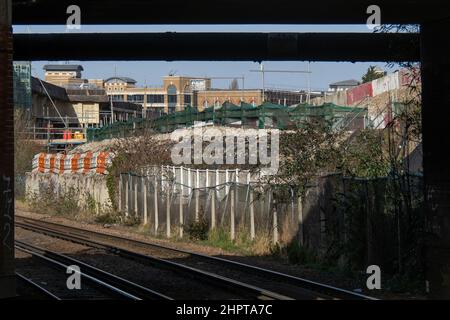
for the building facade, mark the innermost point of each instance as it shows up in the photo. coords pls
(175, 93)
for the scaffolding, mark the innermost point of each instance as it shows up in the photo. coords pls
(265, 116)
(22, 84)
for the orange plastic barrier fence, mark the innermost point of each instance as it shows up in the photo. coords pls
(89, 162)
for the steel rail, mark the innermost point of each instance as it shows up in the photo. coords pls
(29, 282)
(117, 285)
(215, 279)
(315, 286)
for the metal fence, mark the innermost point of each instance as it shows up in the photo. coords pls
(169, 199)
(367, 221)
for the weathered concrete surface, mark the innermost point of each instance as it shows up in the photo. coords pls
(7, 277)
(80, 187)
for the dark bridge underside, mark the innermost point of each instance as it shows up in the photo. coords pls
(228, 11)
(218, 46)
(432, 15)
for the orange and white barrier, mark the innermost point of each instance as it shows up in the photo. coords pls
(89, 162)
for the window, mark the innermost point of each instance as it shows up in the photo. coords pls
(135, 97)
(172, 94)
(187, 99)
(172, 99)
(117, 97)
(155, 98)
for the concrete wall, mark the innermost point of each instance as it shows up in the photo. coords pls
(339, 98)
(69, 185)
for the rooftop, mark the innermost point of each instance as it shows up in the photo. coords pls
(63, 67)
(124, 79)
(41, 87)
(345, 83)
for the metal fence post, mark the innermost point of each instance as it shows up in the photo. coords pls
(217, 182)
(181, 209)
(174, 171)
(227, 188)
(168, 213)
(120, 192)
(181, 181)
(236, 190)
(197, 195)
(252, 209)
(156, 204)
(127, 193)
(275, 222)
(135, 196)
(189, 179)
(213, 209)
(144, 198)
(232, 213)
(300, 219)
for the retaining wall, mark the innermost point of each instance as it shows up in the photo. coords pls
(71, 185)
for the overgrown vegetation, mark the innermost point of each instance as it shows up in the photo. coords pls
(24, 150)
(51, 202)
(198, 230)
(134, 154)
(375, 214)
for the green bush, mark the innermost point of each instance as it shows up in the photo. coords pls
(109, 218)
(198, 230)
(294, 253)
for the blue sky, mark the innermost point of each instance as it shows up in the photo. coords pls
(150, 72)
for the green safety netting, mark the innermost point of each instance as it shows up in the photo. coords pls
(266, 115)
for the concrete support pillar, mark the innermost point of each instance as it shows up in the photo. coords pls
(435, 71)
(7, 277)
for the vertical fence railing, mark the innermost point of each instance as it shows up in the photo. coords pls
(170, 199)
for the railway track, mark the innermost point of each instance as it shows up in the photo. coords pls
(28, 282)
(112, 285)
(279, 285)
